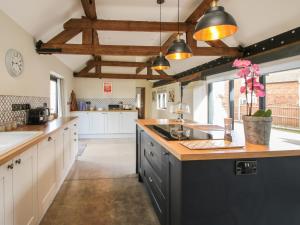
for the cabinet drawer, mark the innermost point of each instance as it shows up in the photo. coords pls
(153, 184)
(153, 153)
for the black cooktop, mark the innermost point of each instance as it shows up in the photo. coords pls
(179, 132)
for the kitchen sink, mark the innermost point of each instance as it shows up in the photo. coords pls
(10, 140)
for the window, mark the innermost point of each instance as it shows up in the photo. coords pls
(282, 97)
(56, 96)
(53, 95)
(162, 100)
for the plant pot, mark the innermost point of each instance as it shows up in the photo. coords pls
(257, 129)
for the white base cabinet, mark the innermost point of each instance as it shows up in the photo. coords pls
(106, 124)
(30, 181)
(19, 190)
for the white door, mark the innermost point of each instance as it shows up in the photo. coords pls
(67, 149)
(127, 121)
(46, 174)
(6, 194)
(97, 122)
(25, 188)
(84, 122)
(113, 123)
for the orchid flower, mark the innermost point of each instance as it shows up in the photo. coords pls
(250, 73)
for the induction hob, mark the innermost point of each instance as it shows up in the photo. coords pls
(175, 132)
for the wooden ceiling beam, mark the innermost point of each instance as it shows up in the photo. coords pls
(122, 25)
(117, 63)
(64, 36)
(217, 44)
(87, 36)
(89, 7)
(130, 50)
(121, 76)
(199, 11)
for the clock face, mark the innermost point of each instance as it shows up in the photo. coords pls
(14, 62)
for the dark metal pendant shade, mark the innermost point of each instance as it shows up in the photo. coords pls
(215, 24)
(160, 63)
(179, 50)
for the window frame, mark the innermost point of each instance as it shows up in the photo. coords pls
(162, 101)
(54, 79)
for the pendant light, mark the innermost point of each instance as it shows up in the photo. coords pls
(215, 24)
(160, 62)
(179, 49)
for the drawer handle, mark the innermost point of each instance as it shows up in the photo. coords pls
(166, 153)
(75, 139)
(151, 154)
(50, 139)
(67, 128)
(75, 125)
(151, 143)
(150, 179)
(10, 166)
(75, 133)
(18, 161)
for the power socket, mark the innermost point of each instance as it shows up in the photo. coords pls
(19, 107)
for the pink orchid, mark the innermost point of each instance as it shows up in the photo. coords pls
(244, 72)
(256, 69)
(240, 63)
(250, 73)
(243, 89)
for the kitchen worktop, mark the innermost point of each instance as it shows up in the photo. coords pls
(45, 130)
(277, 147)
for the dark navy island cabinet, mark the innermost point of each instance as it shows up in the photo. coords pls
(219, 192)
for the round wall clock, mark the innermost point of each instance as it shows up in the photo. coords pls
(14, 62)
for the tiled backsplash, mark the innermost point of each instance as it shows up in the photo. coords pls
(6, 101)
(104, 102)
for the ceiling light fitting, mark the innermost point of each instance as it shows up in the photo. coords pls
(215, 24)
(160, 62)
(179, 49)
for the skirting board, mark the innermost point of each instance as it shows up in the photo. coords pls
(90, 136)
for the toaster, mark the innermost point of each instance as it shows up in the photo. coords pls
(38, 116)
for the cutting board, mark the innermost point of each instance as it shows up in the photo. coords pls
(210, 144)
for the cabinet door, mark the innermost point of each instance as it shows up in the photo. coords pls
(97, 122)
(59, 151)
(46, 174)
(84, 123)
(113, 122)
(67, 149)
(25, 188)
(127, 122)
(6, 194)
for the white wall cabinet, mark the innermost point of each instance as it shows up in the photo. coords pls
(106, 124)
(19, 190)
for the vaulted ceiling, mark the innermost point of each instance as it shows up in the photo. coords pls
(257, 20)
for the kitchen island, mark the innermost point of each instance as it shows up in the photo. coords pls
(239, 186)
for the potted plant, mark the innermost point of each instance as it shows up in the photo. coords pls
(257, 126)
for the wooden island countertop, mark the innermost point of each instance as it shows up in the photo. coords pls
(45, 130)
(277, 148)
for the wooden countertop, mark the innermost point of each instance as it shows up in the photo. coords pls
(106, 110)
(277, 148)
(46, 130)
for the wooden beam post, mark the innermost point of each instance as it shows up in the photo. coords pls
(89, 7)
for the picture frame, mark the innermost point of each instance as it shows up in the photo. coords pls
(107, 88)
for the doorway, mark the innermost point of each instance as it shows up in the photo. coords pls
(140, 101)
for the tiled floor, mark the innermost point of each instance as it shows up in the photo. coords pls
(102, 189)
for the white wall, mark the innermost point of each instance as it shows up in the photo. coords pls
(36, 76)
(93, 88)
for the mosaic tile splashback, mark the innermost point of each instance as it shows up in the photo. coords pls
(104, 102)
(6, 101)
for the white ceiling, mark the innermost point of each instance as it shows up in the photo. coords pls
(257, 20)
